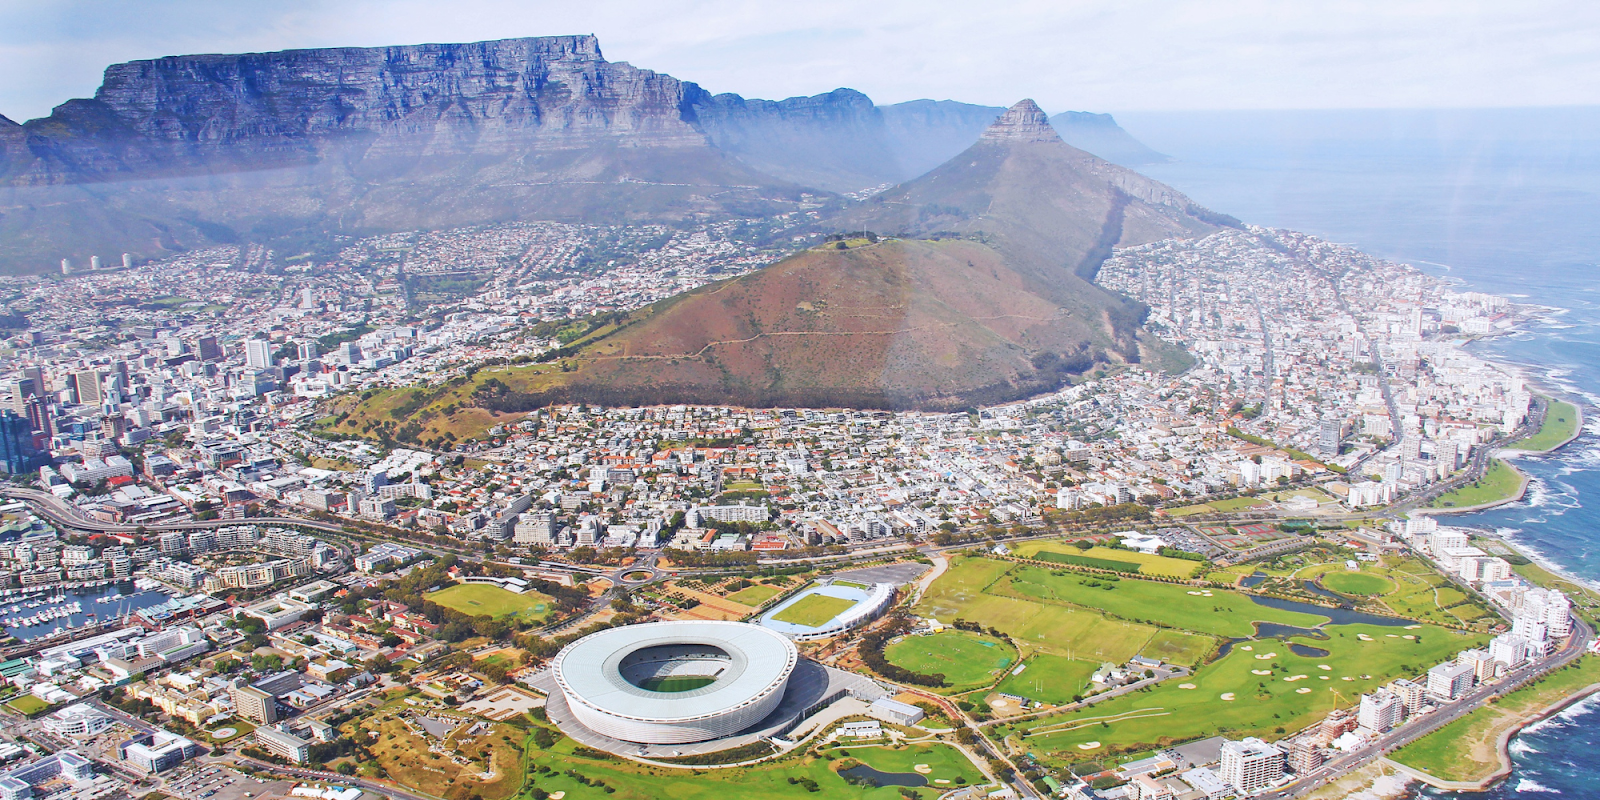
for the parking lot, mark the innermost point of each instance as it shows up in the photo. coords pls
(213, 782)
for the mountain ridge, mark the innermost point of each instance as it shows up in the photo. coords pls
(188, 151)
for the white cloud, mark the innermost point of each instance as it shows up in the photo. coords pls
(1135, 54)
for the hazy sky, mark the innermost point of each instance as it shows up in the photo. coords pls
(1067, 54)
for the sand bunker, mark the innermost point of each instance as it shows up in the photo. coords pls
(1227, 695)
(1261, 672)
(1185, 686)
(1303, 690)
(1089, 746)
(923, 769)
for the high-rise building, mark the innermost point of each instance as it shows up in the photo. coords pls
(307, 351)
(39, 417)
(127, 261)
(1304, 756)
(86, 385)
(257, 354)
(207, 348)
(1330, 432)
(94, 262)
(255, 705)
(1411, 694)
(1380, 711)
(17, 454)
(1449, 680)
(1251, 765)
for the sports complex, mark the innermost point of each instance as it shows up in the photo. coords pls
(828, 608)
(686, 687)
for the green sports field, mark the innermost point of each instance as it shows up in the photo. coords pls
(1050, 679)
(967, 660)
(1358, 583)
(754, 596)
(479, 599)
(1178, 647)
(1560, 422)
(814, 610)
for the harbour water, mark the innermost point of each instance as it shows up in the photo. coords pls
(30, 615)
(1504, 201)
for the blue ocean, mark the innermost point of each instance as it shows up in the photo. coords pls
(1504, 201)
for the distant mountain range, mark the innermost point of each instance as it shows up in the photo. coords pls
(287, 147)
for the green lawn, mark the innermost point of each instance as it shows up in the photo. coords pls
(1236, 503)
(814, 610)
(966, 660)
(1049, 678)
(1357, 583)
(1464, 750)
(1170, 713)
(1560, 422)
(626, 780)
(1177, 647)
(479, 599)
(1500, 482)
(754, 596)
(1224, 613)
(28, 705)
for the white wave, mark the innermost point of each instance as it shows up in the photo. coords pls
(1520, 748)
(1531, 785)
(1579, 709)
(1548, 723)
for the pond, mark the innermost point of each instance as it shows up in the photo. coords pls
(863, 774)
(1305, 651)
(1251, 581)
(1319, 591)
(1336, 616)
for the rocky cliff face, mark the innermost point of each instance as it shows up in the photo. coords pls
(175, 114)
(834, 141)
(186, 151)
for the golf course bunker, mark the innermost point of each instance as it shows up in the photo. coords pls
(828, 608)
(866, 774)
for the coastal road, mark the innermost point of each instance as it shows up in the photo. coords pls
(1418, 727)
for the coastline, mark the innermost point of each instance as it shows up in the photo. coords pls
(1509, 455)
(1504, 766)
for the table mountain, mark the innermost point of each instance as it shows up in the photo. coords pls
(288, 147)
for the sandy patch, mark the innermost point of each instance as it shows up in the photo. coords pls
(1365, 638)
(1186, 686)
(1303, 690)
(923, 769)
(1324, 667)
(1408, 636)
(1247, 648)
(1266, 656)
(1089, 746)
(1293, 678)
(1227, 695)
(1261, 672)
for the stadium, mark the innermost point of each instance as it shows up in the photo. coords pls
(684, 687)
(829, 608)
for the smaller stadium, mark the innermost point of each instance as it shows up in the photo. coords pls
(829, 608)
(687, 687)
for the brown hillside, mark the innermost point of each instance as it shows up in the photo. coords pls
(925, 324)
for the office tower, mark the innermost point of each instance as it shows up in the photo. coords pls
(257, 354)
(86, 384)
(207, 348)
(16, 443)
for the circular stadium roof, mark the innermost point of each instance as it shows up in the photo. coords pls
(750, 663)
